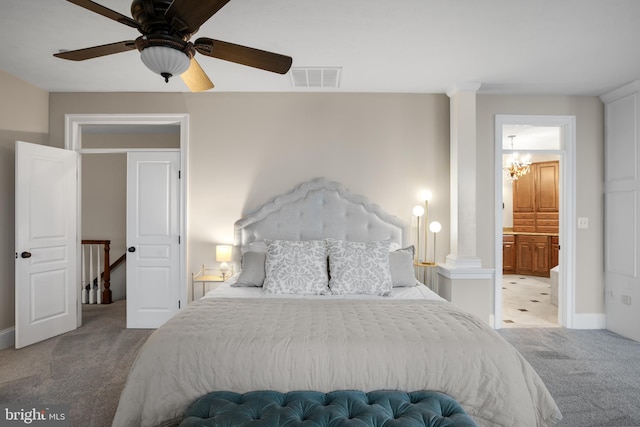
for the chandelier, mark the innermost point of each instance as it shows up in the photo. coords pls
(516, 167)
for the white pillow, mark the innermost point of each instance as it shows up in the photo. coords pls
(251, 270)
(359, 268)
(296, 267)
(401, 266)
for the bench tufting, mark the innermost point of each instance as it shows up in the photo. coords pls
(316, 409)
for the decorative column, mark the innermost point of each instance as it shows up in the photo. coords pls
(462, 280)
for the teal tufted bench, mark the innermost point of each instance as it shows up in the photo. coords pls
(336, 409)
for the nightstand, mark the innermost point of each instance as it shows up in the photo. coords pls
(207, 275)
(425, 272)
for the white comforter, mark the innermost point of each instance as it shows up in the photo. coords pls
(309, 344)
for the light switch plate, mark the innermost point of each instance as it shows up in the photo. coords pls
(583, 222)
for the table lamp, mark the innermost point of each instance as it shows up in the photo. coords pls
(223, 256)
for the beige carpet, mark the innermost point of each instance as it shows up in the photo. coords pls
(593, 375)
(85, 369)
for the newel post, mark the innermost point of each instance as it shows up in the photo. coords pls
(106, 292)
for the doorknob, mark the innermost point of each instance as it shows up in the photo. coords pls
(132, 249)
(25, 254)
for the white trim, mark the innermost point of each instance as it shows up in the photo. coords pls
(73, 141)
(463, 87)
(465, 273)
(125, 150)
(566, 296)
(589, 321)
(7, 338)
(620, 92)
(453, 261)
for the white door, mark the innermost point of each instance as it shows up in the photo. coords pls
(46, 277)
(153, 225)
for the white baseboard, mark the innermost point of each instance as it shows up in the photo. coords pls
(7, 338)
(589, 321)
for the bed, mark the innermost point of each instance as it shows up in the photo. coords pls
(329, 327)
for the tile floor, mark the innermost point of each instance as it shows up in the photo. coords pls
(526, 302)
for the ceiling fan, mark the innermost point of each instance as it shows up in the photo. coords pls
(166, 27)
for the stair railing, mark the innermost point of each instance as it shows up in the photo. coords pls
(96, 282)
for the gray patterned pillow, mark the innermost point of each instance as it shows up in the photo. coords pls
(296, 267)
(359, 268)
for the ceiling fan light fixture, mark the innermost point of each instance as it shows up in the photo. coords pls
(165, 61)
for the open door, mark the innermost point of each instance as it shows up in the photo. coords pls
(153, 238)
(46, 242)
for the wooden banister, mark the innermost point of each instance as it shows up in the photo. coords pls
(106, 292)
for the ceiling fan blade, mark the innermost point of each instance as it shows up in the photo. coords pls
(105, 11)
(189, 15)
(195, 78)
(97, 51)
(249, 56)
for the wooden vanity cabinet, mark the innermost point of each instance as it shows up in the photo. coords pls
(554, 253)
(529, 255)
(508, 254)
(535, 213)
(532, 255)
(535, 199)
(524, 203)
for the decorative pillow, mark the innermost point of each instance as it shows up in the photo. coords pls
(296, 267)
(259, 246)
(359, 268)
(252, 269)
(401, 266)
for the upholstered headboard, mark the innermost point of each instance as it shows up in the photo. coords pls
(319, 209)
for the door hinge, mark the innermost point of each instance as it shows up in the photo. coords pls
(558, 247)
(179, 174)
(178, 304)
(179, 239)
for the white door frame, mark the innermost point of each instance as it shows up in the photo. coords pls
(566, 291)
(73, 141)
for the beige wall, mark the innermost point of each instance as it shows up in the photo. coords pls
(23, 107)
(246, 148)
(589, 113)
(23, 116)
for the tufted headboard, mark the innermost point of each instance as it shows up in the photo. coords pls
(319, 209)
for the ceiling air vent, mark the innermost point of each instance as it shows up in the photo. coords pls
(316, 77)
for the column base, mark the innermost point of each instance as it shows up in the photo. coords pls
(469, 288)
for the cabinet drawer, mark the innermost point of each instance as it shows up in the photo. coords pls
(524, 228)
(524, 215)
(551, 222)
(548, 215)
(532, 239)
(548, 229)
(525, 222)
(547, 225)
(508, 238)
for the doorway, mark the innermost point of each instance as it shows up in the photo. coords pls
(547, 139)
(109, 127)
(530, 223)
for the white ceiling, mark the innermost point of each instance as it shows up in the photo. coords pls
(572, 47)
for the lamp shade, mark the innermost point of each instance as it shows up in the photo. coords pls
(223, 253)
(418, 210)
(165, 61)
(426, 195)
(435, 227)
